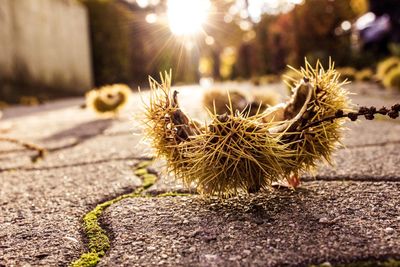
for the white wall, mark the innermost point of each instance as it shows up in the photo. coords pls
(45, 42)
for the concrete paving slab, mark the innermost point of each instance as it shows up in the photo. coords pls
(323, 221)
(41, 211)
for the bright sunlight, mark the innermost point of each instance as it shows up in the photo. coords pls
(187, 17)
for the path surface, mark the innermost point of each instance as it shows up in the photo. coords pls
(350, 212)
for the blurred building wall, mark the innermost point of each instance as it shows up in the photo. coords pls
(44, 46)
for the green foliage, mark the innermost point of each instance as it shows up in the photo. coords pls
(87, 260)
(309, 30)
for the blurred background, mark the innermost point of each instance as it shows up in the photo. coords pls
(56, 48)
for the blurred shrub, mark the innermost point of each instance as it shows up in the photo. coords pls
(110, 38)
(227, 62)
(385, 66)
(206, 66)
(392, 79)
(364, 75)
(309, 30)
(247, 63)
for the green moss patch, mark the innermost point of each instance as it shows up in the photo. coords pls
(98, 241)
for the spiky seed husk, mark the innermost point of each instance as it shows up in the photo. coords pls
(365, 75)
(322, 95)
(237, 152)
(392, 79)
(386, 65)
(108, 100)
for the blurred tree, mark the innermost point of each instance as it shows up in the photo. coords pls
(312, 29)
(315, 31)
(110, 38)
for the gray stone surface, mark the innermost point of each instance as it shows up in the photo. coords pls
(323, 221)
(42, 205)
(41, 211)
(91, 159)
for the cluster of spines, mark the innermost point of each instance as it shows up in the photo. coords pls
(238, 152)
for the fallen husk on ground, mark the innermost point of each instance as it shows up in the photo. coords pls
(108, 100)
(237, 152)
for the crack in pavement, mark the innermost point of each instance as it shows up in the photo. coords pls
(98, 238)
(77, 164)
(353, 177)
(371, 145)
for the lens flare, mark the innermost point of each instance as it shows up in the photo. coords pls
(186, 17)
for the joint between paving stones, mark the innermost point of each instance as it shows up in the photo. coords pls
(98, 240)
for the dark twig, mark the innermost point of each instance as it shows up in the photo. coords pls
(41, 152)
(368, 113)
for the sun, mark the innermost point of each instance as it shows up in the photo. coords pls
(186, 17)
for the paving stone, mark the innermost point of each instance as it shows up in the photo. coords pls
(41, 211)
(323, 221)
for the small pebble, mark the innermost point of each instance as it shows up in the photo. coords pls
(71, 239)
(389, 230)
(323, 220)
(227, 247)
(151, 248)
(210, 257)
(235, 258)
(246, 252)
